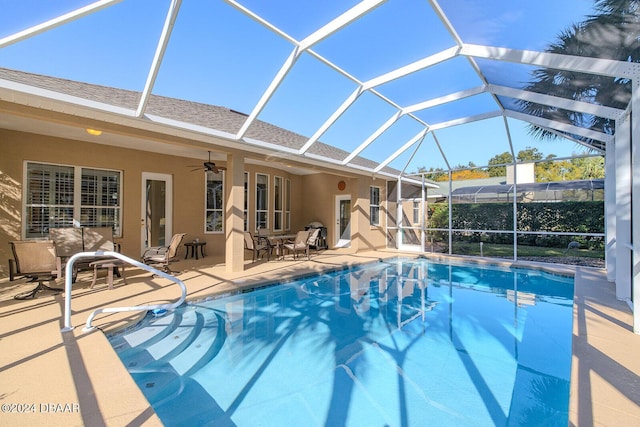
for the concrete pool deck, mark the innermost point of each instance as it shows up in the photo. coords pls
(48, 377)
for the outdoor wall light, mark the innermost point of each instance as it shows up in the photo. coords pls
(94, 132)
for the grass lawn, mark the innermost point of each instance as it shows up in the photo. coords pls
(506, 251)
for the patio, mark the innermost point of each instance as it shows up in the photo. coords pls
(77, 379)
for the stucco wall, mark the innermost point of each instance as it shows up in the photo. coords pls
(312, 196)
(319, 204)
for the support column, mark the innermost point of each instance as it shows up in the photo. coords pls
(623, 208)
(234, 214)
(399, 216)
(610, 211)
(360, 211)
(635, 202)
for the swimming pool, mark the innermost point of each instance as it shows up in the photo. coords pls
(400, 342)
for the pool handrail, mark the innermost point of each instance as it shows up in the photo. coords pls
(68, 283)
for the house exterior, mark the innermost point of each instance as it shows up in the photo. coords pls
(146, 179)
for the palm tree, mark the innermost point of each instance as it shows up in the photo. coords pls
(612, 33)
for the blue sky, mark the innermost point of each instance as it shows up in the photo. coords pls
(219, 56)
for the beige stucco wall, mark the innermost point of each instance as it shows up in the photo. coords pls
(188, 205)
(312, 196)
(320, 192)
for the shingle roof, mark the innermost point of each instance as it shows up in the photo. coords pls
(209, 116)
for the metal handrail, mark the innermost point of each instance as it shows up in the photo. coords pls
(69, 279)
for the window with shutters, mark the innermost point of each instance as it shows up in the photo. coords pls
(71, 196)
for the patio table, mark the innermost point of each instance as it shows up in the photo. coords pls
(277, 240)
(191, 249)
(110, 264)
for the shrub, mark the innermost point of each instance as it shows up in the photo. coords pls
(565, 217)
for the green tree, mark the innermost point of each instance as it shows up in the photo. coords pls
(434, 174)
(465, 174)
(529, 154)
(612, 33)
(499, 159)
(567, 170)
(589, 167)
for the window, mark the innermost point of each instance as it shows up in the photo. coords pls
(246, 201)
(262, 201)
(277, 203)
(67, 196)
(374, 205)
(287, 204)
(416, 212)
(214, 208)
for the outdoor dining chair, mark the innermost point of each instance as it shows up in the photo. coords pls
(162, 255)
(251, 244)
(300, 244)
(35, 260)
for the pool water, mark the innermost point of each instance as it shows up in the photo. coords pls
(405, 342)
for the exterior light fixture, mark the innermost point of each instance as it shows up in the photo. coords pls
(94, 132)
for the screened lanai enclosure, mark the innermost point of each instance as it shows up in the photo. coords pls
(498, 127)
(499, 217)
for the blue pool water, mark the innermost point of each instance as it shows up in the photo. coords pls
(406, 342)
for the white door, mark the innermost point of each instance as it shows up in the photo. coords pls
(156, 212)
(343, 221)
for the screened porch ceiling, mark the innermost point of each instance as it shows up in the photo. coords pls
(391, 81)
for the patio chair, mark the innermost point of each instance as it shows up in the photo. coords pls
(314, 239)
(300, 244)
(163, 255)
(263, 236)
(36, 260)
(72, 240)
(251, 244)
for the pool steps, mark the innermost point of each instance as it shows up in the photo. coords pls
(174, 346)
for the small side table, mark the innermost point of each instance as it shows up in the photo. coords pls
(192, 249)
(110, 265)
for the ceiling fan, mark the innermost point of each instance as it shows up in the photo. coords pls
(209, 166)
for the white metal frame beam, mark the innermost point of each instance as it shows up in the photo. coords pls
(338, 23)
(635, 201)
(402, 149)
(564, 127)
(418, 65)
(464, 120)
(445, 99)
(172, 14)
(604, 67)
(56, 22)
(386, 125)
(558, 102)
(331, 120)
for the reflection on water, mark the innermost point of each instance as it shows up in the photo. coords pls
(394, 343)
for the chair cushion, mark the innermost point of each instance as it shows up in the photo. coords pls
(68, 241)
